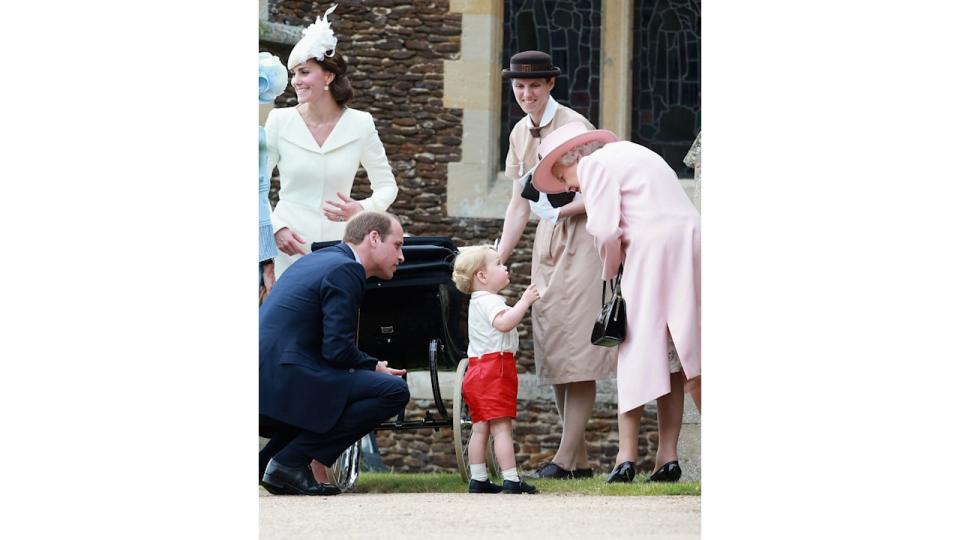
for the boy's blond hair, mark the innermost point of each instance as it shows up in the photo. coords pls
(471, 260)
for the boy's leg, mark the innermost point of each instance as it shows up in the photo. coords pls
(476, 453)
(502, 431)
(476, 450)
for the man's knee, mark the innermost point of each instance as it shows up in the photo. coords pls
(397, 392)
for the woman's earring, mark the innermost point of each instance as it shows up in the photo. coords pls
(326, 87)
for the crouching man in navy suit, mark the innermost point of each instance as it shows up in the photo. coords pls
(318, 392)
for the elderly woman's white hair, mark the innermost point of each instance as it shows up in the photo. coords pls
(578, 152)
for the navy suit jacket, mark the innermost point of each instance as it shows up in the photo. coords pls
(308, 351)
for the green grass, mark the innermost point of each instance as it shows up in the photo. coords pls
(371, 482)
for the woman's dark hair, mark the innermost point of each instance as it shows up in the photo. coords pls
(340, 88)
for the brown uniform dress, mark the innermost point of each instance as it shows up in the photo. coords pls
(566, 269)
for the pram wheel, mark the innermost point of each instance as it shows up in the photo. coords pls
(462, 427)
(346, 469)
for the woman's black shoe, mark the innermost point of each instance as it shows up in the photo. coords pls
(623, 472)
(670, 472)
(583, 473)
(552, 470)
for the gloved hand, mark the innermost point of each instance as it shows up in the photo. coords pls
(545, 210)
(552, 214)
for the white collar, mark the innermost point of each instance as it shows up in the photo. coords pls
(475, 294)
(347, 129)
(355, 254)
(548, 113)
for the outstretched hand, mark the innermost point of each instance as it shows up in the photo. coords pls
(382, 368)
(531, 295)
(343, 209)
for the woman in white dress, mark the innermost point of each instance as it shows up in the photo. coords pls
(318, 146)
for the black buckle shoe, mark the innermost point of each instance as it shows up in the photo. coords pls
(282, 480)
(484, 486)
(670, 472)
(623, 472)
(516, 488)
(552, 470)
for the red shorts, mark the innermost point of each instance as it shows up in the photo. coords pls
(490, 387)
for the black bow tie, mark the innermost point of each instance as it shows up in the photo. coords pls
(535, 132)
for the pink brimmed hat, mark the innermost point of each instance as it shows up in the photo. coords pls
(559, 143)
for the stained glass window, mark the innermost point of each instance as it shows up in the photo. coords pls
(570, 33)
(666, 78)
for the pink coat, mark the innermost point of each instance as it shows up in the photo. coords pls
(639, 215)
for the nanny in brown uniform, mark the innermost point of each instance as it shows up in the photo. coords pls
(566, 267)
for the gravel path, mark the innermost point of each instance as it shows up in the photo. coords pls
(426, 516)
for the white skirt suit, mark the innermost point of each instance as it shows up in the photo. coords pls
(311, 174)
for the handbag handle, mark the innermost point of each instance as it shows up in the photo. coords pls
(614, 286)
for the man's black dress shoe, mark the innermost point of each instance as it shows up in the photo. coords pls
(486, 486)
(509, 486)
(670, 472)
(552, 470)
(583, 473)
(282, 480)
(623, 472)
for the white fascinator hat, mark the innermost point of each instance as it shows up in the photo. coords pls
(317, 42)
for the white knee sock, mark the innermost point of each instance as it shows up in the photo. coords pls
(510, 474)
(478, 472)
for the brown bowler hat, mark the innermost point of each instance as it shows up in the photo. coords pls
(530, 65)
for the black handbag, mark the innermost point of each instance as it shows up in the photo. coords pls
(611, 326)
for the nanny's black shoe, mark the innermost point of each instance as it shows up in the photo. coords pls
(552, 470)
(485, 486)
(623, 472)
(669, 472)
(509, 486)
(583, 473)
(282, 480)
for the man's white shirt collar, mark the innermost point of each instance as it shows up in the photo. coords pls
(355, 254)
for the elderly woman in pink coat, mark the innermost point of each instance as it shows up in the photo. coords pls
(640, 217)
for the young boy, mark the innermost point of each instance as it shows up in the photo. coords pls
(490, 386)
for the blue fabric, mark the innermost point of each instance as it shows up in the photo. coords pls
(373, 398)
(268, 246)
(308, 352)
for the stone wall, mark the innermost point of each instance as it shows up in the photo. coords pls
(536, 438)
(395, 51)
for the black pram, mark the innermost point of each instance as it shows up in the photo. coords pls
(414, 322)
